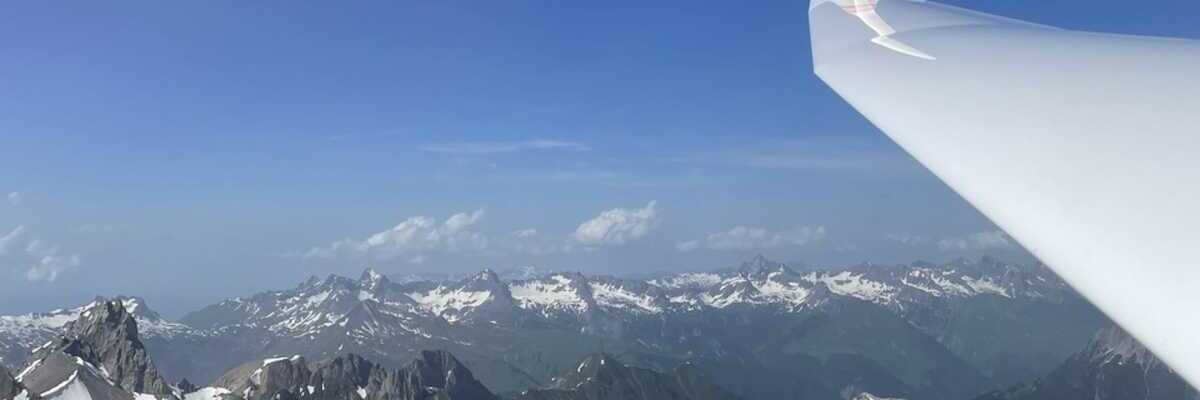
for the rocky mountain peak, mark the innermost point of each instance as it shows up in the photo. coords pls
(487, 275)
(100, 353)
(185, 386)
(104, 320)
(1113, 366)
(1116, 345)
(370, 276)
(440, 369)
(134, 305)
(312, 280)
(106, 335)
(485, 280)
(761, 266)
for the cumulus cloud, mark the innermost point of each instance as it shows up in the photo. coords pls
(41, 260)
(907, 239)
(976, 241)
(48, 267)
(14, 198)
(413, 239)
(618, 226)
(481, 148)
(742, 238)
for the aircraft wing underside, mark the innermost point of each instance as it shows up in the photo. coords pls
(1085, 147)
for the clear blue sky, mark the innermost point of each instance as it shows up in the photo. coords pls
(188, 152)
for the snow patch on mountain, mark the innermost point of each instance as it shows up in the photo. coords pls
(439, 300)
(789, 293)
(688, 280)
(847, 283)
(555, 293)
(208, 393)
(616, 296)
(985, 285)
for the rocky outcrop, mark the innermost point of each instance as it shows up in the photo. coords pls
(10, 388)
(435, 375)
(1113, 366)
(107, 336)
(602, 377)
(98, 355)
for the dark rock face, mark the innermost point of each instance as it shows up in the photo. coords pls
(186, 386)
(9, 387)
(602, 377)
(99, 354)
(107, 336)
(439, 369)
(1114, 366)
(60, 375)
(435, 375)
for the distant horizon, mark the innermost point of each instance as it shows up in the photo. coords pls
(207, 150)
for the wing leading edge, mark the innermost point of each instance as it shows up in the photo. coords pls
(1085, 147)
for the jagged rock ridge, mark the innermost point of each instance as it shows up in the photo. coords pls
(1113, 366)
(603, 377)
(435, 375)
(10, 389)
(963, 322)
(98, 355)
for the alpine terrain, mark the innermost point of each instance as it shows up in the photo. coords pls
(758, 330)
(1113, 366)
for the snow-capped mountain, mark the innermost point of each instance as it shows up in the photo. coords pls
(761, 281)
(97, 356)
(19, 334)
(984, 320)
(370, 306)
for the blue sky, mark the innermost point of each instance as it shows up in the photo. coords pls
(190, 152)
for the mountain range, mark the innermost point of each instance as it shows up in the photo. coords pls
(759, 330)
(1113, 366)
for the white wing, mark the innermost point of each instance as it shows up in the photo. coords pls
(1085, 147)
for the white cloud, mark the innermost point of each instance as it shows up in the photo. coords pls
(10, 239)
(689, 245)
(907, 239)
(618, 226)
(41, 260)
(48, 267)
(976, 241)
(742, 238)
(14, 198)
(480, 148)
(414, 238)
(461, 221)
